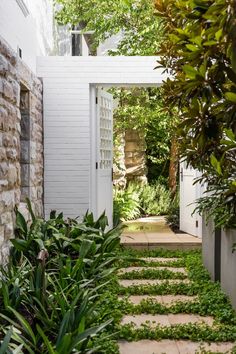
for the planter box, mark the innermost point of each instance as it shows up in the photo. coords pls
(208, 246)
(219, 259)
(228, 264)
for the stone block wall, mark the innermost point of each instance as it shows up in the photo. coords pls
(119, 169)
(16, 81)
(135, 156)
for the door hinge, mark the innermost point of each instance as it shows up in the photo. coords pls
(181, 175)
(96, 166)
(96, 100)
(112, 174)
(196, 223)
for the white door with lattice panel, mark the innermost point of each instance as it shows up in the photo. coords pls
(104, 154)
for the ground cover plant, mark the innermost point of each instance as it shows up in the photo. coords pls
(50, 292)
(208, 300)
(141, 200)
(60, 293)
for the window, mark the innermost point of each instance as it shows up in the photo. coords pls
(76, 44)
(25, 142)
(82, 43)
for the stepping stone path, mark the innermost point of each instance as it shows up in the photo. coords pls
(130, 282)
(139, 269)
(165, 346)
(164, 299)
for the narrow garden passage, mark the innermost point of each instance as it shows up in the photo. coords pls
(170, 306)
(153, 232)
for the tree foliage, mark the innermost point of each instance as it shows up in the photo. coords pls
(199, 50)
(134, 19)
(142, 109)
(140, 34)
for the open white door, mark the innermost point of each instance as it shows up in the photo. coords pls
(104, 154)
(189, 193)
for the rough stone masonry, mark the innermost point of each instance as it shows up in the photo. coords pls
(21, 142)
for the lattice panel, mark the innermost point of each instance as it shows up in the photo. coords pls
(106, 143)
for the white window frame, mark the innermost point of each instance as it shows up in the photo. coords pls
(81, 32)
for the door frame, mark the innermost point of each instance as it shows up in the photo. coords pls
(93, 152)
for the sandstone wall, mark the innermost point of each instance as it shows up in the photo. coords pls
(21, 157)
(135, 156)
(119, 169)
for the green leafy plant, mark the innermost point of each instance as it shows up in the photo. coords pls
(126, 204)
(137, 200)
(173, 214)
(198, 49)
(50, 291)
(107, 18)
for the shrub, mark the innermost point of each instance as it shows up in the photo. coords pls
(137, 200)
(155, 199)
(198, 50)
(126, 204)
(51, 288)
(173, 215)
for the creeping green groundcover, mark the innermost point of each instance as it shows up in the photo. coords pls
(60, 292)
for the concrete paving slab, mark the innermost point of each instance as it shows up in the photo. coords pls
(187, 347)
(162, 299)
(148, 347)
(182, 318)
(188, 238)
(160, 259)
(172, 299)
(140, 269)
(151, 233)
(165, 320)
(130, 282)
(151, 320)
(136, 238)
(136, 299)
(172, 347)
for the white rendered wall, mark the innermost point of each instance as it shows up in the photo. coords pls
(32, 32)
(109, 44)
(68, 144)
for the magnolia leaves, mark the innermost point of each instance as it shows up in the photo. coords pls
(199, 50)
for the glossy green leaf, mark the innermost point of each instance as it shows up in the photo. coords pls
(230, 96)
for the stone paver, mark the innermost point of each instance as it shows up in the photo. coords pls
(150, 234)
(153, 320)
(138, 269)
(166, 320)
(130, 282)
(162, 299)
(160, 259)
(187, 347)
(183, 318)
(148, 347)
(169, 240)
(172, 347)
(171, 299)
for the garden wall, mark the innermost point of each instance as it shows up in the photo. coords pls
(219, 259)
(135, 157)
(228, 264)
(130, 158)
(21, 141)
